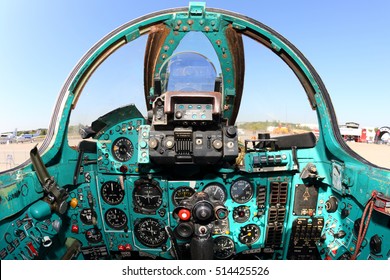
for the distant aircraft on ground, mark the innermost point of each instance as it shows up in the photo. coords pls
(28, 137)
(8, 137)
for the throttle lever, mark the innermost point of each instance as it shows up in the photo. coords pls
(84, 146)
(55, 196)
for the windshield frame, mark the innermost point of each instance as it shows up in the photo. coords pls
(305, 72)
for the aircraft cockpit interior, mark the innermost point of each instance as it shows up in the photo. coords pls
(180, 181)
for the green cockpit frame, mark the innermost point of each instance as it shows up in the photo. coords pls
(224, 30)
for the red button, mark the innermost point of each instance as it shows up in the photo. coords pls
(121, 248)
(128, 247)
(184, 214)
(32, 249)
(75, 229)
(123, 169)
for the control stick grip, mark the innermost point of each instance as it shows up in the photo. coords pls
(202, 248)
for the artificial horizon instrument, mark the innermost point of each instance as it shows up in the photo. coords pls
(178, 183)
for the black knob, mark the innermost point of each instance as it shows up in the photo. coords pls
(18, 232)
(375, 244)
(231, 131)
(332, 204)
(203, 212)
(345, 213)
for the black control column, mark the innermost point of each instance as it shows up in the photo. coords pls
(200, 212)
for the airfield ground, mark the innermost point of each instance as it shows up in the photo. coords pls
(12, 155)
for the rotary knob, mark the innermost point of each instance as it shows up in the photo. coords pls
(179, 114)
(331, 204)
(203, 212)
(153, 143)
(217, 144)
(231, 131)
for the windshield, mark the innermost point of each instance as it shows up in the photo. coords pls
(188, 71)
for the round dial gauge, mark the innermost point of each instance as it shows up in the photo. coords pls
(116, 218)
(182, 193)
(241, 214)
(122, 149)
(147, 195)
(241, 191)
(216, 191)
(93, 235)
(112, 192)
(150, 232)
(86, 216)
(249, 234)
(223, 247)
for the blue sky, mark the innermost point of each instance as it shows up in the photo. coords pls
(346, 41)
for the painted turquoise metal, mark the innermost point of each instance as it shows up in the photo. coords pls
(21, 191)
(324, 109)
(40, 210)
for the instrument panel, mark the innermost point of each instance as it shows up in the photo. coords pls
(127, 208)
(148, 206)
(133, 204)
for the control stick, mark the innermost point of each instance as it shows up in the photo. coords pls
(201, 212)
